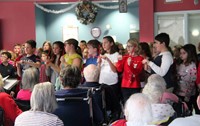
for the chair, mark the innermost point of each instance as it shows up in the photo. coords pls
(75, 110)
(24, 105)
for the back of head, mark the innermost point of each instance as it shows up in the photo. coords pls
(138, 109)
(70, 76)
(163, 38)
(30, 78)
(91, 73)
(43, 98)
(154, 88)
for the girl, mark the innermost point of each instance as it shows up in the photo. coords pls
(73, 54)
(45, 58)
(186, 75)
(53, 65)
(131, 65)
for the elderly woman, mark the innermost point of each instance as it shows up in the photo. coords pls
(154, 89)
(43, 103)
(11, 110)
(29, 79)
(137, 111)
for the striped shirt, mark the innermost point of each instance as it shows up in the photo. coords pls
(37, 118)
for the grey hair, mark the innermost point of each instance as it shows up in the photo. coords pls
(43, 98)
(1, 84)
(155, 88)
(30, 78)
(91, 73)
(138, 109)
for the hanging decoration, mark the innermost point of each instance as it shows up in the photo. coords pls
(86, 12)
(75, 4)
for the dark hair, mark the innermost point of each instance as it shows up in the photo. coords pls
(49, 43)
(47, 52)
(61, 46)
(83, 41)
(95, 44)
(70, 76)
(7, 54)
(114, 48)
(74, 42)
(146, 49)
(163, 37)
(192, 54)
(32, 43)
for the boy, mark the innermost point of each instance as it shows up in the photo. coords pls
(93, 49)
(7, 69)
(30, 59)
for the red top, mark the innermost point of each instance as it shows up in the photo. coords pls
(121, 122)
(131, 66)
(11, 110)
(198, 75)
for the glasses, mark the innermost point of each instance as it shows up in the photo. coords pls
(129, 46)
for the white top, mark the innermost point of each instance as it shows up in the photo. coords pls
(167, 61)
(107, 76)
(37, 118)
(187, 121)
(161, 113)
(137, 124)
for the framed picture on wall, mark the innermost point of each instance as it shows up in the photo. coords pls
(70, 32)
(172, 1)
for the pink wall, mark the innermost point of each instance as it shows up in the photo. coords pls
(17, 23)
(146, 20)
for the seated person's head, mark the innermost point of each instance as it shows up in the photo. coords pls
(70, 76)
(43, 98)
(154, 88)
(138, 109)
(91, 73)
(30, 78)
(5, 57)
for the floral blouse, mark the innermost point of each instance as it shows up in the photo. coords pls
(186, 80)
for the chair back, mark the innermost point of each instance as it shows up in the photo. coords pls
(75, 110)
(24, 105)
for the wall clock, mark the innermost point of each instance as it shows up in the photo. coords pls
(96, 32)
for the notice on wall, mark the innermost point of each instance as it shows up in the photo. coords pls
(70, 32)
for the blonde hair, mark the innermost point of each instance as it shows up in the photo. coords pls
(136, 45)
(1, 83)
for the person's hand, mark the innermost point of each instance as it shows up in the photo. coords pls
(119, 57)
(12, 93)
(145, 61)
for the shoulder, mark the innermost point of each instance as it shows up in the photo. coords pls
(121, 122)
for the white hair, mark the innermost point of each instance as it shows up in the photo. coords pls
(138, 109)
(154, 88)
(91, 73)
(30, 78)
(43, 98)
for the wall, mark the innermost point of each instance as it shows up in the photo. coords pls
(120, 23)
(17, 23)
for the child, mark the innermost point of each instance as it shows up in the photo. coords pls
(30, 59)
(7, 69)
(45, 58)
(93, 52)
(187, 74)
(131, 66)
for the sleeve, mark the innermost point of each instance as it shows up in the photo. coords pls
(167, 61)
(120, 64)
(59, 122)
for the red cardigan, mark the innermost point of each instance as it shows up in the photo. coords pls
(11, 110)
(121, 122)
(131, 72)
(198, 75)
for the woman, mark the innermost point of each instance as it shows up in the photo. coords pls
(10, 108)
(43, 103)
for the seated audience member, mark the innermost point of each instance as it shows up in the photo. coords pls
(138, 111)
(91, 74)
(11, 110)
(29, 79)
(43, 103)
(188, 121)
(154, 89)
(7, 69)
(70, 78)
